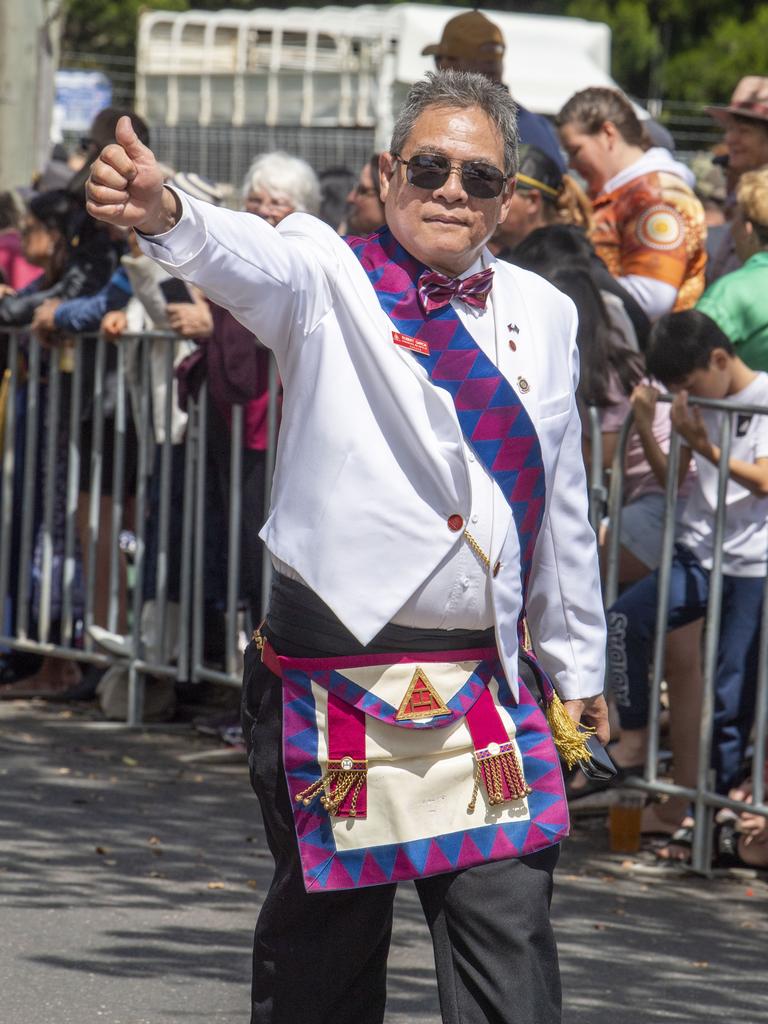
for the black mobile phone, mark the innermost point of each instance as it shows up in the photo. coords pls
(174, 290)
(599, 766)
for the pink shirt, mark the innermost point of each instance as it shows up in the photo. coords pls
(639, 478)
(15, 270)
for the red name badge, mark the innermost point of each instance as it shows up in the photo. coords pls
(414, 344)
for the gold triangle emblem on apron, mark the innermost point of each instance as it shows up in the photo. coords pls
(421, 700)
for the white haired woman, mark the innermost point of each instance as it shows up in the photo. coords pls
(278, 184)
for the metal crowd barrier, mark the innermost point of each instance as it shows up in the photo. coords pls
(703, 797)
(53, 380)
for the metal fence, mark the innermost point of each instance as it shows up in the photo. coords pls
(51, 504)
(704, 798)
(48, 606)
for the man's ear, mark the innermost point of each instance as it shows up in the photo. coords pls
(387, 166)
(611, 132)
(719, 359)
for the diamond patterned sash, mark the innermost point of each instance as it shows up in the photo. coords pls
(492, 417)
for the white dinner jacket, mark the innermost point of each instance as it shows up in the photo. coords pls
(371, 460)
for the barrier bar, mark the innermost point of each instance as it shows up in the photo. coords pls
(615, 505)
(761, 707)
(269, 470)
(662, 605)
(198, 597)
(191, 455)
(233, 560)
(28, 488)
(95, 482)
(51, 459)
(164, 510)
(8, 482)
(115, 621)
(597, 492)
(702, 834)
(73, 490)
(135, 679)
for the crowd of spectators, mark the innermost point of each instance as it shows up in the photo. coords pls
(622, 231)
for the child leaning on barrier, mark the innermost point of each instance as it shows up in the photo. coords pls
(691, 356)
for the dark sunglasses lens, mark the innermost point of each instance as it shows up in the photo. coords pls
(430, 172)
(482, 180)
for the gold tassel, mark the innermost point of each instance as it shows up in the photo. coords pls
(570, 739)
(501, 774)
(341, 778)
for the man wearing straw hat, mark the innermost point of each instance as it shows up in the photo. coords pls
(745, 121)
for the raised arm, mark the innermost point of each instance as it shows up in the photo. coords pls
(277, 283)
(644, 400)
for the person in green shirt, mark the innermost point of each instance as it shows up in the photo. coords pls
(738, 302)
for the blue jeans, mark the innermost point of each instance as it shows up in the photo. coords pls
(631, 622)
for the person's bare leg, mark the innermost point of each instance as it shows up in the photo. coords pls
(101, 580)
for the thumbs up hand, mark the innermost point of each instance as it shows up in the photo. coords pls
(125, 186)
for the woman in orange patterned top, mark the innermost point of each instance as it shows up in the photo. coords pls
(648, 225)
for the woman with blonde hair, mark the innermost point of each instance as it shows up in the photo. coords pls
(738, 302)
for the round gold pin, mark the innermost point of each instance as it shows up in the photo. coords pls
(523, 384)
(512, 344)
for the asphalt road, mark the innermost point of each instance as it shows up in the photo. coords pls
(131, 876)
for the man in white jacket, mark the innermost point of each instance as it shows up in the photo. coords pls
(388, 530)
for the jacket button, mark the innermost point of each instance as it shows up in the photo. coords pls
(455, 522)
(496, 569)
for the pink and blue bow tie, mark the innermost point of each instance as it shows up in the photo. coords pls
(437, 290)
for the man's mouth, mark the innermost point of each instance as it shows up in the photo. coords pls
(442, 219)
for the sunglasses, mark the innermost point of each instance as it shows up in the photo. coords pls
(431, 170)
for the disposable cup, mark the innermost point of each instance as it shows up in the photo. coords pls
(624, 821)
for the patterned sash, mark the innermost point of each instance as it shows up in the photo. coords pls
(492, 417)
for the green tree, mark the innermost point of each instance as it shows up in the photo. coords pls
(710, 70)
(108, 27)
(636, 41)
(681, 49)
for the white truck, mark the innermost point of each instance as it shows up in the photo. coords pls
(217, 87)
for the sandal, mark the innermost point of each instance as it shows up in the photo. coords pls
(725, 847)
(677, 849)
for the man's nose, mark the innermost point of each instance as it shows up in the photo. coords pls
(452, 188)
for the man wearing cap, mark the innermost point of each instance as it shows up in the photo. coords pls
(539, 185)
(403, 515)
(472, 42)
(745, 121)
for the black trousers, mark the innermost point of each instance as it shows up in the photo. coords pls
(321, 958)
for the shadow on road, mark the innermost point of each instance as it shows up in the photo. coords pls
(122, 862)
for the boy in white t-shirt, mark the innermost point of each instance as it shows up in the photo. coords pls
(690, 355)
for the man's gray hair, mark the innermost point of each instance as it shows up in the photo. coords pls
(460, 89)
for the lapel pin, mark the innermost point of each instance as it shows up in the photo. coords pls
(523, 384)
(512, 344)
(514, 328)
